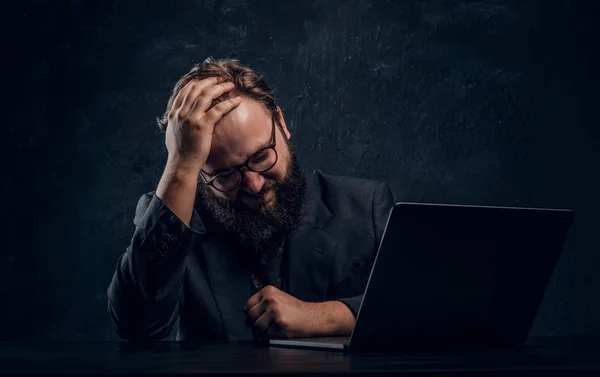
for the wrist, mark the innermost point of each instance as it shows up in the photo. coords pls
(183, 170)
(335, 319)
(177, 190)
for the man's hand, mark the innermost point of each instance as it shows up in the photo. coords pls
(188, 140)
(191, 122)
(272, 313)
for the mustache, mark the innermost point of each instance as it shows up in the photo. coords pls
(269, 184)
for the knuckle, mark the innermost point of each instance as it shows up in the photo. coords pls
(269, 289)
(214, 94)
(193, 83)
(207, 118)
(275, 309)
(215, 115)
(198, 123)
(220, 108)
(281, 322)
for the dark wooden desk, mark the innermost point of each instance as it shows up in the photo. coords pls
(552, 356)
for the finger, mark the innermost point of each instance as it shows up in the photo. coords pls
(215, 114)
(204, 99)
(274, 331)
(203, 94)
(197, 89)
(254, 314)
(263, 324)
(252, 302)
(189, 86)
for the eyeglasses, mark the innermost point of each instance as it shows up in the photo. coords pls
(260, 161)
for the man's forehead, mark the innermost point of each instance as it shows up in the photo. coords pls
(239, 134)
(248, 118)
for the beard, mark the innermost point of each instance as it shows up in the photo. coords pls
(266, 227)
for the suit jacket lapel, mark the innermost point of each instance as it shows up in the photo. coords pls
(312, 249)
(229, 278)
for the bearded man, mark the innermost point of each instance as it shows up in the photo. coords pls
(237, 242)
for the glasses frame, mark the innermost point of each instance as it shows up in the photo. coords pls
(210, 182)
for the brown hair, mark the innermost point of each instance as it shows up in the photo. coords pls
(247, 82)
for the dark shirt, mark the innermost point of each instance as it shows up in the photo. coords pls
(269, 268)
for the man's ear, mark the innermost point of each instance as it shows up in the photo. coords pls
(283, 126)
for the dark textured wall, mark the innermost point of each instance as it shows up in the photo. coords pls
(458, 102)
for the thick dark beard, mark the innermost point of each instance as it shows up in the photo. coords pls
(264, 228)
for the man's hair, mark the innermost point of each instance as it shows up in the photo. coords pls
(247, 82)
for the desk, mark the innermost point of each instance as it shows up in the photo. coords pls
(551, 356)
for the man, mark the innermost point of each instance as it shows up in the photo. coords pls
(236, 242)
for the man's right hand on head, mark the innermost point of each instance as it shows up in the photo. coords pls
(191, 123)
(188, 140)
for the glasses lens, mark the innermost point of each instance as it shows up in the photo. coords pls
(263, 160)
(228, 181)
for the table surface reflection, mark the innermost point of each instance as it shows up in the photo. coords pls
(558, 356)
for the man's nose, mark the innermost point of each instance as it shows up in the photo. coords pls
(252, 181)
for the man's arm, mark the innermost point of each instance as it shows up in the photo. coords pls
(274, 313)
(145, 291)
(332, 318)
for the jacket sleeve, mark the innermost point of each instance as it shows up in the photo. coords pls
(144, 296)
(382, 203)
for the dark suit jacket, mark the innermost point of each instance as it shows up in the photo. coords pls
(175, 282)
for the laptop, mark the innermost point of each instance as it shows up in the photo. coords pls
(454, 276)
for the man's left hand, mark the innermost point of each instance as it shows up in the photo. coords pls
(272, 313)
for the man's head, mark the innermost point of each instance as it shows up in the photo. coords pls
(250, 148)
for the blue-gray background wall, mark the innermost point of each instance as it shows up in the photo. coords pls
(458, 102)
